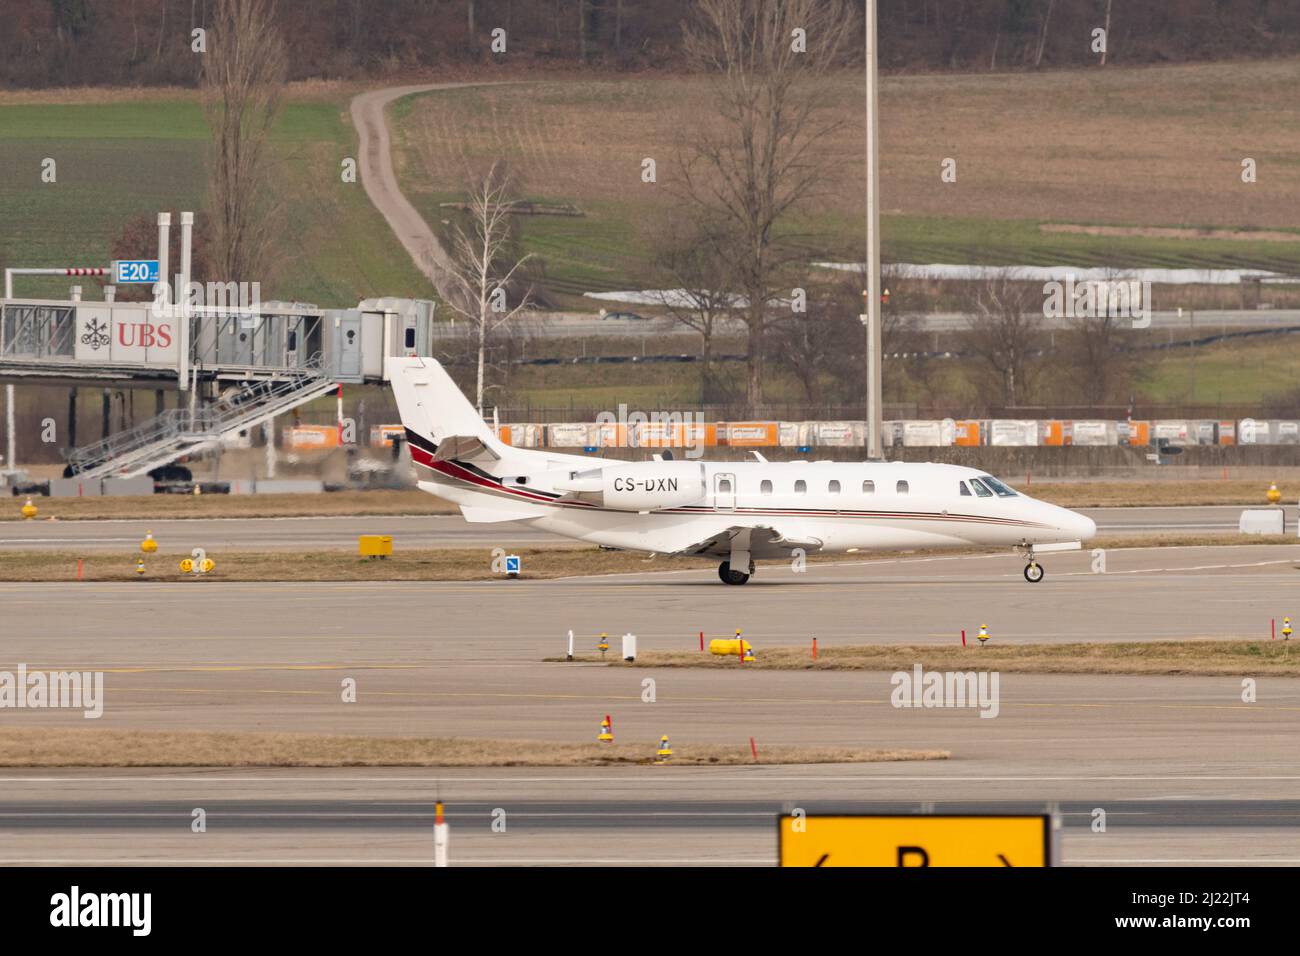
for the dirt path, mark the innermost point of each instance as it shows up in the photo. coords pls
(376, 169)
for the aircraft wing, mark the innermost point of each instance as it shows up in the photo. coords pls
(764, 542)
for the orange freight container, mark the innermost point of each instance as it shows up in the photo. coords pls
(675, 435)
(751, 434)
(1053, 433)
(314, 436)
(1139, 433)
(967, 434)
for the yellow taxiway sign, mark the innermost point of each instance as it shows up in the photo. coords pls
(914, 840)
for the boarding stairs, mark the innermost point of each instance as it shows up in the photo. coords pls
(178, 432)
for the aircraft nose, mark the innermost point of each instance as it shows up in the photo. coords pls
(1081, 525)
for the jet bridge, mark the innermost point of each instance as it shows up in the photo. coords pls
(244, 365)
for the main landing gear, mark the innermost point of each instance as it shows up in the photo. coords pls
(1033, 570)
(734, 577)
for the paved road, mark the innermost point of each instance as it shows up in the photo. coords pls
(443, 531)
(359, 817)
(585, 325)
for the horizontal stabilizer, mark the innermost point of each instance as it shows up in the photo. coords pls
(475, 514)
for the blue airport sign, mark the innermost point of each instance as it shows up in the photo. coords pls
(133, 271)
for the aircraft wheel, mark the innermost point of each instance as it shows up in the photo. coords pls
(729, 576)
(1033, 572)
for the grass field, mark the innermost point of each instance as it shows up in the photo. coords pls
(1254, 658)
(58, 747)
(119, 156)
(1041, 158)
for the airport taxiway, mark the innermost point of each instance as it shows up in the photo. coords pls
(1194, 772)
(181, 535)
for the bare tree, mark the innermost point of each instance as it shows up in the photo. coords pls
(1042, 34)
(480, 271)
(1004, 318)
(699, 288)
(1106, 34)
(1097, 363)
(243, 77)
(758, 164)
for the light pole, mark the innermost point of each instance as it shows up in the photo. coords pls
(871, 315)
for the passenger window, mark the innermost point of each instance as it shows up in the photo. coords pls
(980, 489)
(901, 487)
(964, 490)
(800, 486)
(833, 487)
(868, 487)
(765, 487)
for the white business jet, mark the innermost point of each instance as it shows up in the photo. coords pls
(733, 510)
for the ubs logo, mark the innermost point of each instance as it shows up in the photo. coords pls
(95, 337)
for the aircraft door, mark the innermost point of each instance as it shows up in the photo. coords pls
(724, 491)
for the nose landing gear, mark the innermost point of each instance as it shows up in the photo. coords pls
(1033, 570)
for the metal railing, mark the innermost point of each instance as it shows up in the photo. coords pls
(37, 331)
(171, 433)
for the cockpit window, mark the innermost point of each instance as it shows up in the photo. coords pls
(999, 487)
(964, 490)
(980, 489)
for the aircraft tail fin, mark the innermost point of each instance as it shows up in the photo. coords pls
(433, 407)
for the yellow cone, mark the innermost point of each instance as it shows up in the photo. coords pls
(29, 510)
(148, 545)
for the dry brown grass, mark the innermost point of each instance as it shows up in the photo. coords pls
(82, 747)
(432, 564)
(143, 507)
(1127, 494)
(309, 90)
(1160, 145)
(1199, 657)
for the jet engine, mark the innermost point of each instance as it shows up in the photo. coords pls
(639, 486)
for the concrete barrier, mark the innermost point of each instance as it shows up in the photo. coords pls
(1262, 521)
(115, 487)
(74, 488)
(290, 486)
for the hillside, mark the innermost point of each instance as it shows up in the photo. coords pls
(1042, 159)
(120, 154)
